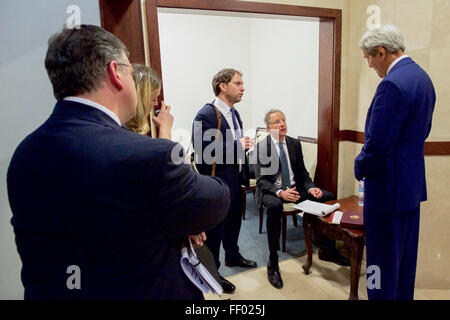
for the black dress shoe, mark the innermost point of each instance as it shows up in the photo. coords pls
(274, 276)
(241, 262)
(227, 286)
(333, 256)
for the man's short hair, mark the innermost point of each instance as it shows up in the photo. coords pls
(268, 113)
(223, 76)
(386, 36)
(77, 58)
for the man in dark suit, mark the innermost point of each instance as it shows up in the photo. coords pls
(100, 212)
(392, 163)
(281, 177)
(226, 147)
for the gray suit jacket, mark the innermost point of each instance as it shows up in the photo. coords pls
(268, 169)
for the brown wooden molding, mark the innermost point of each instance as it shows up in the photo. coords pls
(328, 103)
(351, 135)
(431, 148)
(437, 148)
(153, 41)
(115, 16)
(307, 139)
(250, 7)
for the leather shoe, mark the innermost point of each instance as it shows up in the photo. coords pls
(274, 276)
(333, 256)
(241, 262)
(227, 286)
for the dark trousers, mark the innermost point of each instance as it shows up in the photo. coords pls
(227, 232)
(274, 207)
(391, 246)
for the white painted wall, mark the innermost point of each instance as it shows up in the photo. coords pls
(26, 99)
(284, 72)
(277, 55)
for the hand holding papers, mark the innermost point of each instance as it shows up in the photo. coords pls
(200, 269)
(316, 208)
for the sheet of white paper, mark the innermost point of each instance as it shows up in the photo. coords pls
(337, 217)
(316, 208)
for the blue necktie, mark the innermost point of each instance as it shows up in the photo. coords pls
(285, 178)
(235, 124)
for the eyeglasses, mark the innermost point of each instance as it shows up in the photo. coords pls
(278, 122)
(120, 64)
(123, 64)
(126, 65)
(138, 75)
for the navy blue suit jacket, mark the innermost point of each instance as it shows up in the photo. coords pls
(397, 124)
(206, 122)
(86, 192)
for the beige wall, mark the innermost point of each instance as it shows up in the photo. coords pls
(426, 28)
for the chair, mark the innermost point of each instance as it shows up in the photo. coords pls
(252, 187)
(261, 133)
(288, 210)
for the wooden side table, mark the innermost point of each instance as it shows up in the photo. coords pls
(353, 239)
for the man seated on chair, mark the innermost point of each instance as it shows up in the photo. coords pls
(281, 177)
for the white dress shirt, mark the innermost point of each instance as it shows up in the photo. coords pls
(226, 111)
(395, 62)
(96, 106)
(291, 173)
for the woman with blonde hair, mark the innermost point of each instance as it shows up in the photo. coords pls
(148, 89)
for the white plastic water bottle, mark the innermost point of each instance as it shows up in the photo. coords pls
(361, 193)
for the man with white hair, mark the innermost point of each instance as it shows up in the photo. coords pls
(392, 163)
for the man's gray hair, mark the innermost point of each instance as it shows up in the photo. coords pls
(77, 59)
(268, 113)
(386, 36)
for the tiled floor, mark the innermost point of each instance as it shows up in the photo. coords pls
(326, 281)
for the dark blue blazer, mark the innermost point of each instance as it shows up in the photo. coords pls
(203, 137)
(398, 122)
(86, 192)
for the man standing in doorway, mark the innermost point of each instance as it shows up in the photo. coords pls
(229, 157)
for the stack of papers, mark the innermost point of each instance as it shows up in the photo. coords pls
(316, 208)
(197, 271)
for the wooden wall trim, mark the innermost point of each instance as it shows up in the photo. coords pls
(307, 139)
(437, 148)
(153, 40)
(351, 135)
(431, 148)
(123, 19)
(329, 96)
(250, 7)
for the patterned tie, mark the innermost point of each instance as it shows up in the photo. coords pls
(235, 124)
(285, 178)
